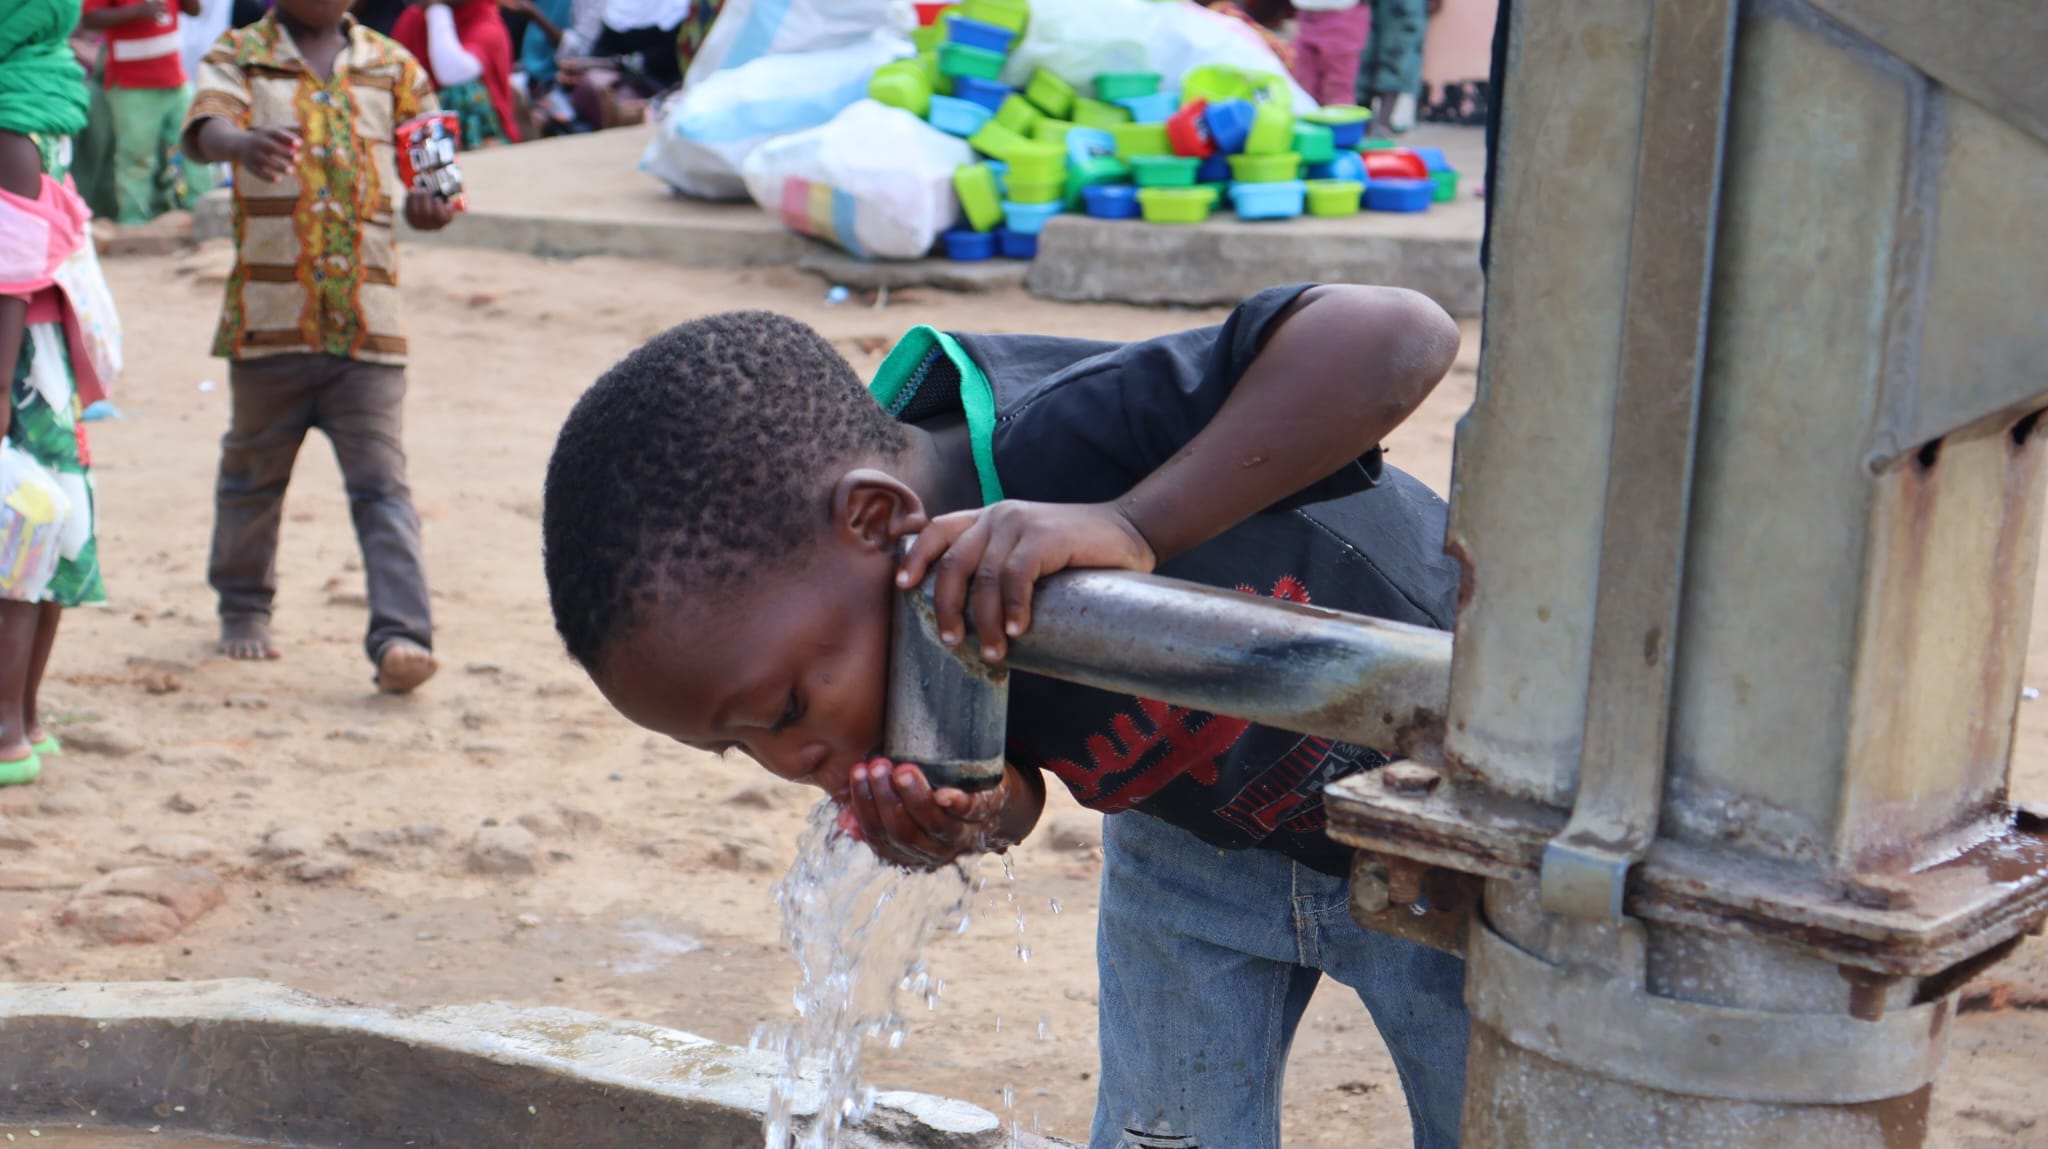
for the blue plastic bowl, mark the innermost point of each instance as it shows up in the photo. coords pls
(968, 246)
(1084, 144)
(957, 117)
(1156, 108)
(1214, 170)
(1399, 195)
(1029, 218)
(976, 34)
(976, 90)
(1230, 124)
(1269, 201)
(1433, 158)
(1110, 201)
(1347, 166)
(1347, 136)
(1015, 244)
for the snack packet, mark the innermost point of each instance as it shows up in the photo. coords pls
(426, 156)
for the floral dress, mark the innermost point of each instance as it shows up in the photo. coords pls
(47, 425)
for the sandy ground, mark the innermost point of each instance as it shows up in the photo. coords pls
(651, 896)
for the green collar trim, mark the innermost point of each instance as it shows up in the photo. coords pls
(906, 369)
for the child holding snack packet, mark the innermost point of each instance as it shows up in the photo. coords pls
(307, 104)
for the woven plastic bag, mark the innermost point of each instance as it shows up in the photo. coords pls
(708, 133)
(747, 30)
(876, 180)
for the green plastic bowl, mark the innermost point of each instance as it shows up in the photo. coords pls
(1215, 83)
(981, 201)
(902, 85)
(1334, 197)
(1051, 131)
(1377, 144)
(1052, 95)
(1112, 86)
(1133, 140)
(1446, 186)
(1036, 160)
(1096, 114)
(1265, 169)
(995, 141)
(1018, 115)
(1036, 191)
(1011, 14)
(1164, 171)
(928, 37)
(1272, 129)
(961, 60)
(1176, 205)
(1314, 143)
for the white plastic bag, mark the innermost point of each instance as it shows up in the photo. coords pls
(1077, 39)
(33, 512)
(710, 131)
(99, 322)
(877, 181)
(747, 30)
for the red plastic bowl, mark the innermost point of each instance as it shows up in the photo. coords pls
(928, 14)
(1395, 164)
(1188, 134)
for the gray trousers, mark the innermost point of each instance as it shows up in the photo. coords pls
(276, 400)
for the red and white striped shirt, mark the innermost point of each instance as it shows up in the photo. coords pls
(143, 53)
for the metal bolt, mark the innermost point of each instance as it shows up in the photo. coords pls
(1409, 778)
(1404, 881)
(1867, 990)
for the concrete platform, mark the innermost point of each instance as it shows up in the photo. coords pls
(256, 1060)
(585, 195)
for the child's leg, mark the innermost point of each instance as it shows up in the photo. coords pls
(361, 413)
(1202, 988)
(1416, 996)
(1343, 37)
(135, 153)
(272, 405)
(1310, 69)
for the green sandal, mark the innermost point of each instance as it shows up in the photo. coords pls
(21, 771)
(47, 746)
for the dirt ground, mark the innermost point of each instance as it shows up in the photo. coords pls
(653, 863)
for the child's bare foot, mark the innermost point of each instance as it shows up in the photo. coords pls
(247, 639)
(404, 666)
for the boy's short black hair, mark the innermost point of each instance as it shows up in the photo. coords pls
(693, 462)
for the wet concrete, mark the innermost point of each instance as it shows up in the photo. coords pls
(252, 1059)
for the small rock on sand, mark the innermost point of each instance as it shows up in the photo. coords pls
(503, 850)
(121, 920)
(180, 848)
(178, 803)
(748, 855)
(291, 842)
(105, 907)
(67, 804)
(424, 833)
(103, 740)
(13, 837)
(325, 867)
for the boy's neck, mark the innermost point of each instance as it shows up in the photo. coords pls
(303, 32)
(939, 466)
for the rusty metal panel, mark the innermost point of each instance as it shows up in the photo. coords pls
(1989, 50)
(1954, 545)
(1816, 149)
(1982, 345)
(1531, 457)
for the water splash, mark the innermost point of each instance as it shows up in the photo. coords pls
(857, 928)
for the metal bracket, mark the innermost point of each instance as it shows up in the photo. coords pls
(1650, 459)
(1597, 1020)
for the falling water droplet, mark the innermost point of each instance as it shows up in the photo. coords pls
(1055, 904)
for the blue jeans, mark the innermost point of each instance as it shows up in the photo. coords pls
(1208, 959)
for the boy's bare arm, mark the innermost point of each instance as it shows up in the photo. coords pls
(21, 173)
(100, 19)
(1341, 368)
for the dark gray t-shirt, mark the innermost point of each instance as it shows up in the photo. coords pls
(1071, 421)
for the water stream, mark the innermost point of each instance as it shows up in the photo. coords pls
(858, 929)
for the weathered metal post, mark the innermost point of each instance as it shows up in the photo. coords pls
(1750, 505)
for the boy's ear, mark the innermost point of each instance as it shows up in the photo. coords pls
(872, 509)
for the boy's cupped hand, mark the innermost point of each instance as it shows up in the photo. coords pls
(891, 807)
(988, 559)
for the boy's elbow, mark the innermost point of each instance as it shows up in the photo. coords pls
(1418, 342)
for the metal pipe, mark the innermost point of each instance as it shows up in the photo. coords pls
(1365, 681)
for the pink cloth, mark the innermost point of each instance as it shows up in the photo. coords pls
(36, 237)
(1327, 49)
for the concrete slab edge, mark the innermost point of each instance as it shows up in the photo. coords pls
(254, 1059)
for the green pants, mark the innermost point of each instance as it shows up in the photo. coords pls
(147, 173)
(1393, 56)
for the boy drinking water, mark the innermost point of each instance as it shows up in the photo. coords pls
(721, 522)
(306, 103)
